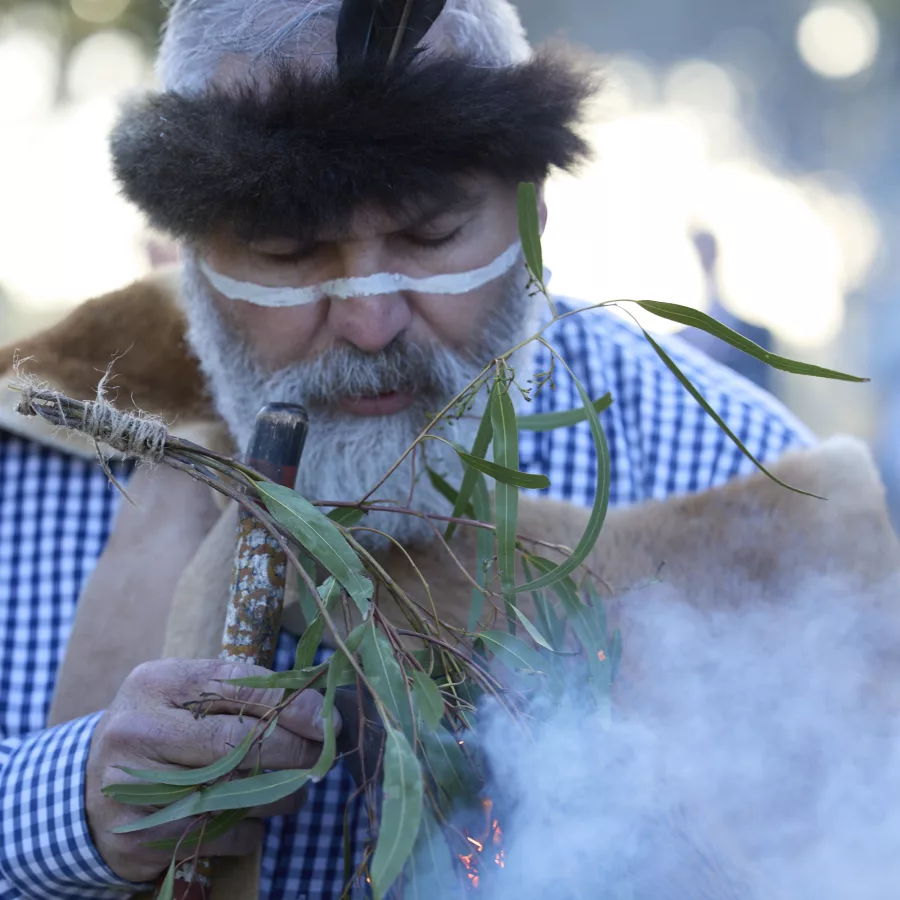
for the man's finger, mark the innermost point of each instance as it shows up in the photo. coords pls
(302, 716)
(195, 743)
(180, 681)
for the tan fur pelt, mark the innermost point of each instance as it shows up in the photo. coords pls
(139, 334)
(140, 327)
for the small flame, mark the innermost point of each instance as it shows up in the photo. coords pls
(601, 656)
(493, 835)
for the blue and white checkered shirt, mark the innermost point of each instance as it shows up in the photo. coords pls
(56, 513)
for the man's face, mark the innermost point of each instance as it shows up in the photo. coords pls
(371, 368)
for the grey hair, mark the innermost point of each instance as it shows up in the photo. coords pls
(201, 34)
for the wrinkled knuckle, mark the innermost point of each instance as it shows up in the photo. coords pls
(129, 731)
(228, 732)
(146, 678)
(227, 671)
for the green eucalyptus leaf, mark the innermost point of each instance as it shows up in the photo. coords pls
(146, 794)
(684, 315)
(347, 516)
(506, 495)
(427, 696)
(167, 888)
(307, 601)
(615, 653)
(588, 625)
(430, 873)
(294, 680)
(446, 490)
(512, 651)
(340, 672)
(219, 826)
(386, 677)
(242, 793)
(308, 644)
(601, 499)
(686, 383)
(401, 812)
(530, 231)
(580, 617)
(484, 547)
(431, 660)
(479, 451)
(193, 777)
(532, 630)
(504, 475)
(448, 766)
(320, 537)
(548, 621)
(551, 421)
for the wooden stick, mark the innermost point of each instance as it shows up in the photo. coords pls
(253, 619)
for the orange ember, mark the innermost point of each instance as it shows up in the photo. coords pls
(492, 835)
(601, 656)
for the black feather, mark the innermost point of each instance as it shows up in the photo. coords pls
(383, 33)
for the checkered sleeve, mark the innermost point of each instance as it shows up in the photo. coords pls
(46, 850)
(661, 440)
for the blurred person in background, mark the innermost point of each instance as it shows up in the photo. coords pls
(752, 369)
(311, 228)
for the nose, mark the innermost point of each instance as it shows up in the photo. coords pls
(368, 322)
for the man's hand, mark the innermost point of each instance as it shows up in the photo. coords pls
(148, 727)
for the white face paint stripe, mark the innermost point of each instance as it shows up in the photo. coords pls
(368, 286)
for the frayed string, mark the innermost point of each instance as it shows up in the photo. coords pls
(138, 435)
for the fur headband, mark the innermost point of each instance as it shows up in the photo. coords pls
(307, 151)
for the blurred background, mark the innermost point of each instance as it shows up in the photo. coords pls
(747, 164)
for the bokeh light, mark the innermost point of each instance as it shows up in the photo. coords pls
(704, 86)
(99, 12)
(105, 64)
(28, 73)
(66, 233)
(791, 250)
(839, 38)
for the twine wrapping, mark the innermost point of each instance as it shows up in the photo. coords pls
(138, 435)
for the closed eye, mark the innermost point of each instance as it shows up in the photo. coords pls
(284, 251)
(431, 242)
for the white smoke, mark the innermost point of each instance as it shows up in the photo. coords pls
(757, 754)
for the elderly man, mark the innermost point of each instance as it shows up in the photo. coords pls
(347, 216)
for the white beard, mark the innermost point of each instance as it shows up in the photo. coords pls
(345, 455)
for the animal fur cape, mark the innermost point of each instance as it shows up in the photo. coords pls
(164, 575)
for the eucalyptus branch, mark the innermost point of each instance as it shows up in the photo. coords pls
(385, 577)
